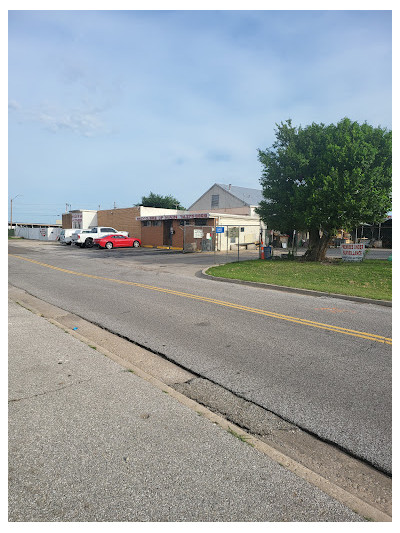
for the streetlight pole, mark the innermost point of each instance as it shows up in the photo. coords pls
(11, 207)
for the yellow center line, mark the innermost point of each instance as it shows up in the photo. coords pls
(271, 314)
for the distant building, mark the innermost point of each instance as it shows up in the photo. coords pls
(79, 219)
(229, 199)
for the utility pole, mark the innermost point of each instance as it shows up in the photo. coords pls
(11, 208)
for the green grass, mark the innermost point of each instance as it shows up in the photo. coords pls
(243, 438)
(369, 279)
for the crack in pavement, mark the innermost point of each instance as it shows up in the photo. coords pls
(12, 400)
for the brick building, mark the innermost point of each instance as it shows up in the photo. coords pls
(197, 231)
(121, 219)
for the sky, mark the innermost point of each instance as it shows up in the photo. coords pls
(105, 107)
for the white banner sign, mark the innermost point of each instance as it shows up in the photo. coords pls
(198, 233)
(353, 252)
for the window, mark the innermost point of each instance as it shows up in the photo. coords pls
(146, 223)
(215, 200)
(107, 230)
(200, 222)
(156, 223)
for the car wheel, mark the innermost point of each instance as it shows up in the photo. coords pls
(109, 245)
(89, 243)
(136, 244)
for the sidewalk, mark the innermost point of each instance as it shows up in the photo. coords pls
(90, 441)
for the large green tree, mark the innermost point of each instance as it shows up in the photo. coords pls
(157, 200)
(323, 178)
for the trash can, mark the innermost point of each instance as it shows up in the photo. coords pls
(267, 252)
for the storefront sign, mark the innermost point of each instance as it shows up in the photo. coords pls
(353, 252)
(175, 217)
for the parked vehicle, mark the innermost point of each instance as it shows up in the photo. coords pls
(85, 238)
(116, 240)
(65, 236)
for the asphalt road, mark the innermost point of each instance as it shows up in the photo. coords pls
(317, 362)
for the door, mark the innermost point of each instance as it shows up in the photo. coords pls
(167, 233)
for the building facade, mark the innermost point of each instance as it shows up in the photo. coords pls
(200, 231)
(79, 219)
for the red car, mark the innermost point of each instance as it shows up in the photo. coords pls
(116, 240)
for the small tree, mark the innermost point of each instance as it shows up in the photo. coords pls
(325, 178)
(156, 200)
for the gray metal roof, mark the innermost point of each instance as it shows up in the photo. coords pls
(248, 196)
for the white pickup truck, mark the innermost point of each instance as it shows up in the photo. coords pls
(85, 237)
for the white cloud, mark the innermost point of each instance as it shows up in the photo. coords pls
(79, 121)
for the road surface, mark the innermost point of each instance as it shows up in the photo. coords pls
(323, 364)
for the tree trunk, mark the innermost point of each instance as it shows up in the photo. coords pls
(317, 246)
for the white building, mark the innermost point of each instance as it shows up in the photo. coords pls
(83, 218)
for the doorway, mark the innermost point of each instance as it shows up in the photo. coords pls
(167, 235)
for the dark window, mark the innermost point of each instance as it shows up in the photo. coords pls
(215, 200)
(107, 230)
(200, 222)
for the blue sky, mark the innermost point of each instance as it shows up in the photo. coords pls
(106, 106)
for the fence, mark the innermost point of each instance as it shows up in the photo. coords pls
(198, 238)
(38, 233)
(227, 238)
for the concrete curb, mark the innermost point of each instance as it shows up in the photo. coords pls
(307, 292)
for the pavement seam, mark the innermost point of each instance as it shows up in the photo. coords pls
(354, 503)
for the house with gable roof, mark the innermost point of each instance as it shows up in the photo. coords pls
(229, 199)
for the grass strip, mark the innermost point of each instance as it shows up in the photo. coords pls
(369, 279)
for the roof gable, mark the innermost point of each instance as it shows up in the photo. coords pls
(245, 194)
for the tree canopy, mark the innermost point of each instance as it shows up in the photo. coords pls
(157, 200)
(323, 178)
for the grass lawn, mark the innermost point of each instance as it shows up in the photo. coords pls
(369, 279)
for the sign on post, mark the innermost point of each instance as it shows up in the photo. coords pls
(353, 252)
(220, 229)
(198, 234)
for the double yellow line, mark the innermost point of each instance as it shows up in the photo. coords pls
(270, 314)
